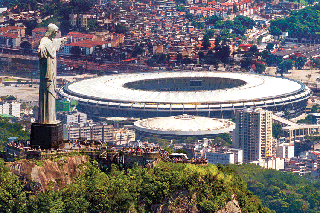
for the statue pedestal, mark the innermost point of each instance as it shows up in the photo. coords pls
(46, 136)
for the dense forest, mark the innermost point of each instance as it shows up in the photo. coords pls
(167, 186)
(300, 22)
(282, 191)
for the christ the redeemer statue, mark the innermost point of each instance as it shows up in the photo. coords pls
(48, 71)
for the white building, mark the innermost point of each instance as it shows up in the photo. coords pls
(220, 157)
(253, 134)
(12, 108)
(100, 132)
(229, 156)
(270, 163)
(73, 118)
(285, 150)
(123, 136)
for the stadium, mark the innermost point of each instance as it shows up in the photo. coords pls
(183, 126)
(163, 94)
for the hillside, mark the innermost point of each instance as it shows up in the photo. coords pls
(300, 23)
(167, 187)
(282, 191)
(38, 175)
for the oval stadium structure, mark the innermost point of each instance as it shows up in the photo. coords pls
(210, 94)
(184, 125)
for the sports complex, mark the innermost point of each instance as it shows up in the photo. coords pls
(162, 94)
(183, 125)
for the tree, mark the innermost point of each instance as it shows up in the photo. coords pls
(260, 68)
(275, 31)
(300, 62)
(222, 139)
(187, 60)
(181, 151)
(92, 24)
(24, 105)
(138, 50)
(65, 26)
(168, 149)
(246, 63)
(246, 21)
(224, 53)
(284, 66)
(205, 42)
(254, 49)
(201, 55)
(315, 108)
(30, 25)
(213, 19)
(212, 59)
(25, 45)
(121, 28)
(12, 197)
(269, 47)
(276, 130)
(10, 98)
(81, 6)
(20, 5)
(181, 8)
(179, 58)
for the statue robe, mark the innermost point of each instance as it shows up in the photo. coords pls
(48, 71)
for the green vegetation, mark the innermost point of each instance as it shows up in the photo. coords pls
(159, 58)
(239, 25)
(300, 62)
(314, 108)
(307, 120)
(12, 197)
(175, 186)
(300, 23)
(276, 130)
(181, 151)
(23, 5)
(282, 191)
(11, 130)
(222, 139)
(9, 97)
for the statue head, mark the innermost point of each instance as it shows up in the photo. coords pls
(52, 30)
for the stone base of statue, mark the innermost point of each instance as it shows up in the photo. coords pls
(46, 136)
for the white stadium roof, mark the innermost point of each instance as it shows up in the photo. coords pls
(184, 125)
(112, 88)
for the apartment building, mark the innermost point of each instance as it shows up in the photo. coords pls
(96, 132)
(12, 108)
(253, 134)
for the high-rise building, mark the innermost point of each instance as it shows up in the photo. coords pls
(74, 117)
(12, 108)
(253, 133)
(285, 150)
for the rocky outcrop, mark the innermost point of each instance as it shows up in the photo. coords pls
(181, 201)
(231, 206)
(37, 175)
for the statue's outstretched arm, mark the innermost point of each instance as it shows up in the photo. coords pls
(58, 41)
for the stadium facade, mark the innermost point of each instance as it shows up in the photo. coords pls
(183, 126)
(163, 94)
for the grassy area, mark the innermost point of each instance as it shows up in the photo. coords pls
(9, 79)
